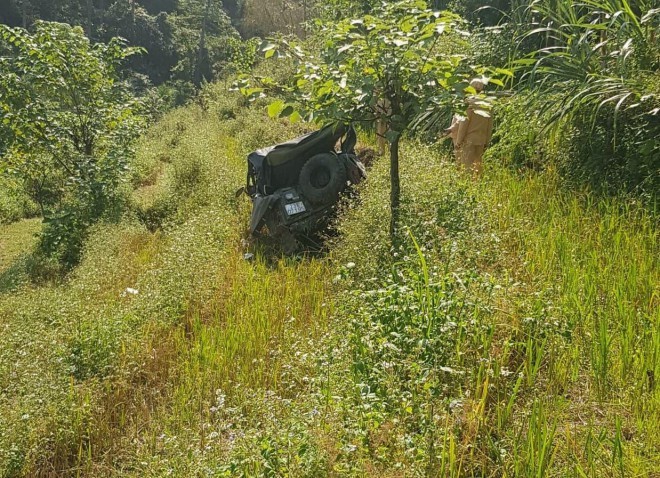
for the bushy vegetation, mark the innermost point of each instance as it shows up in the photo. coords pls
(587, 150)
(68, 123)
(186, 41)
(591, 76)
(512, 329)
(15, 204)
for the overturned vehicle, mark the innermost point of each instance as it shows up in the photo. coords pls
(295, 186)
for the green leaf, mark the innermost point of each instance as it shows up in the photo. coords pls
(275, 108)
(251, 92)
(287, 111)
(391, 136)
(503, 71)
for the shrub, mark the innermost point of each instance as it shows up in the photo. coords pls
(14, 203)
(594, 79)
(73, 163)
(518, 140)
(585, 150)
(158, 214)
(613, 157)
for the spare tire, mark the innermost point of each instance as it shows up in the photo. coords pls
(322, 178)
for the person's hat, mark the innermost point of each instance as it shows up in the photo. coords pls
(478, 85)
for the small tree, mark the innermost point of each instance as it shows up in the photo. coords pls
(391, 66)
(66, 124)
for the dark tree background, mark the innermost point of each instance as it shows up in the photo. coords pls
(185, 40)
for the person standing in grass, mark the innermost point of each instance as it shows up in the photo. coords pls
(471, 133)
(452, 131)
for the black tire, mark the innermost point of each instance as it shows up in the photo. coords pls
(322, 178)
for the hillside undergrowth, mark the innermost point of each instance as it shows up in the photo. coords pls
(511, 331)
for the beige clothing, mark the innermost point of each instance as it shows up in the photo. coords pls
(473, 134)
(469, 156)
(476, 129)
(452, 131)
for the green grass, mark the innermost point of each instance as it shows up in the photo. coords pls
(511, 331)
(16, 239)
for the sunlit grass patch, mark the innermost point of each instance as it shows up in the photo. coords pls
(80, 342)
(567, 289)
(597, 258)
(16, 239)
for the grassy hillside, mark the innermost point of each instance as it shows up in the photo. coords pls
(512, 332)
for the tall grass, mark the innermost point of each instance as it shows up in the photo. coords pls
(514, 332)
(489, 343)
(599, 258)
(603, 255)
(81, 359)
(591, 79)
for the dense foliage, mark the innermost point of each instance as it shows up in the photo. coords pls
(592, 77)
(390, 66)
(185, 40)
(68, 121)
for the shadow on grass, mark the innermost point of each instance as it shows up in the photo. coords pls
(15, 275)
(271, 253)
(30, 268)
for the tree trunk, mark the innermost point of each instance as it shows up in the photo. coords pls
(25, 13)
(90, 11)
(395, 185)
(201, 56)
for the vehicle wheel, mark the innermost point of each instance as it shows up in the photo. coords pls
(322, 178)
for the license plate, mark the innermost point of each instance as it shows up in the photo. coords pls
(294, 208)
